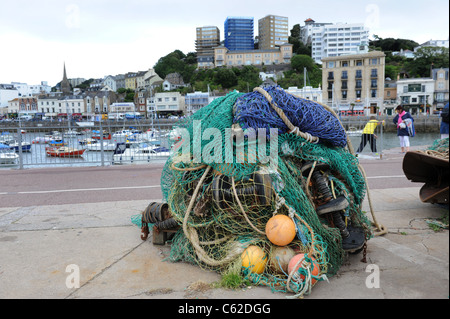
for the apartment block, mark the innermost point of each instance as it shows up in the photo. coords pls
(329, 40)
(239, 33)
(273, 31)
(225, 57)
(207, 38)
(354, 83)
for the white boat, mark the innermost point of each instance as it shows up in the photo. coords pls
(72, 133)
(97, 146)
(352, 131)
(139, 152)
(122, 133)
(8, 156)
(14, 145)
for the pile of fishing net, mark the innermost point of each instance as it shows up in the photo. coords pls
(264, 184)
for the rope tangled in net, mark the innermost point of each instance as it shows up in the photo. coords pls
(221, 208)
(274, 106)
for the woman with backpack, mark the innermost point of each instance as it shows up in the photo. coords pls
(404, 129)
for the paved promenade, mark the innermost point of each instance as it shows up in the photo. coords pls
(42, 246)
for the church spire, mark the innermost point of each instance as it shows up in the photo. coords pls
(65, 85)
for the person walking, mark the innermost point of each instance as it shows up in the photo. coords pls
(368, 135)
(402, 129)
(444, 122)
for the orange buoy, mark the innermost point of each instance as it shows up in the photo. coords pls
(314, 266)
(280, 230)
(254, 259)
(279, 259)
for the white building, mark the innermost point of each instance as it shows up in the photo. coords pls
(330, 40)
(416, 95)
(110, 82)
(433, 43)
(25, 89)
(7, 93)
(197, 100)
(122, 107)
(169, 102)
(306, 31)
(307, 92)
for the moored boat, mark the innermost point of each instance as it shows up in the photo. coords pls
(64, 151)
(7, 156)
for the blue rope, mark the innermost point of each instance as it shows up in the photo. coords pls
(252, 110)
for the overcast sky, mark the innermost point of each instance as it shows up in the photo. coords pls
(96, 38)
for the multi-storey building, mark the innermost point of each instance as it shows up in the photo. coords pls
(239, 33)
(434, 43)
(130, 80)
(7, 93)
(24, 105)
(306, 32)
(225, 57)
(329, 40)
(390, 96)
(273, 31)
(25, 89)
(354, 82)
(441, 88)
(416, 95)
(195, 101)
(169, 103)
(207, 38)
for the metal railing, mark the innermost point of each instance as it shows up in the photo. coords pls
(97, 144)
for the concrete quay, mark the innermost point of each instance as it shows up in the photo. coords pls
(44, 246)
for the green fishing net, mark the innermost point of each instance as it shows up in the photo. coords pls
(222, 195)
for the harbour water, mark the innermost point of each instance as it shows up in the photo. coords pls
(386, 141)
(37, 157)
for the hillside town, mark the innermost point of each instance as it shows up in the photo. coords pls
(354, 80)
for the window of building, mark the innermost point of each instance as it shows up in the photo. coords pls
(358, 74)
(373, 83)
(374, 93)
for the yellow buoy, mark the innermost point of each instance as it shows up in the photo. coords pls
(254, 259)
(280, 230)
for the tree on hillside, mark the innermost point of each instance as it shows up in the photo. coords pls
(301, 61)
(391, 44)
(427, 58)
(226, 78)
(177, 61)
(298, 46)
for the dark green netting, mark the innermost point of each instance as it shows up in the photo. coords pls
(214, 232)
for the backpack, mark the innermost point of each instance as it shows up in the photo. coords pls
(444, 115)
(410, 127)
